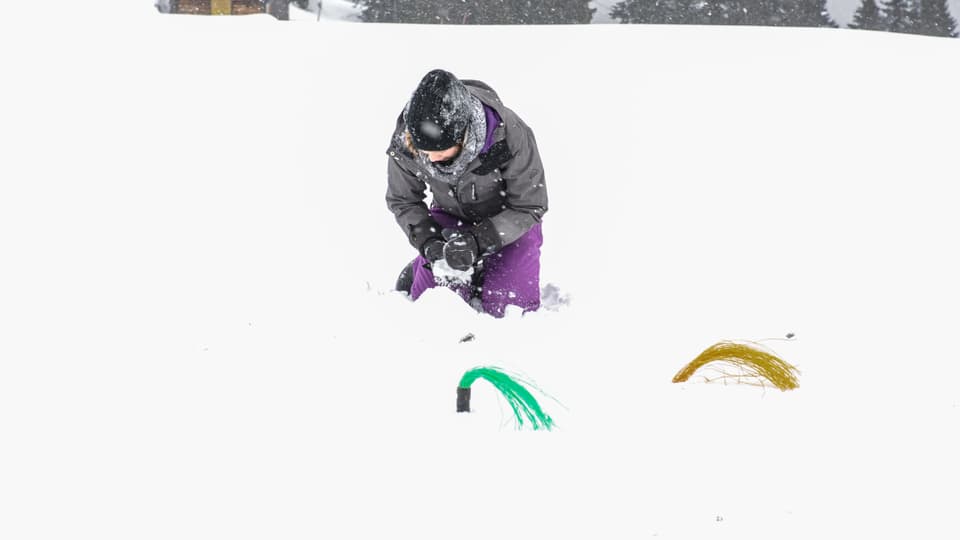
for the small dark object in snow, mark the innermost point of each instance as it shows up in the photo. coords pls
(468, 337)
(463, 399)
(790, 335)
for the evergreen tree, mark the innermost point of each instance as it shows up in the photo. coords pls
(750, 12)
(808, 13)
(408, 11)
(934, 19)
(531, 11)
(654, 11)
(725, 11)
(477, 11)
(774, 13)
(897, 16)
(278, 8)
(868, 17)
(764, 12)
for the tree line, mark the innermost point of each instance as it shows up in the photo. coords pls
(477, 11)
(927, 17)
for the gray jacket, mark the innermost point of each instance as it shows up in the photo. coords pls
(502, 193)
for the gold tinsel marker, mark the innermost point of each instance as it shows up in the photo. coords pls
(752, 365)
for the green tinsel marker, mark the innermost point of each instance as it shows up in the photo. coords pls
(522, 402)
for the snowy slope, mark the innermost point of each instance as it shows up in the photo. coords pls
(197, 338)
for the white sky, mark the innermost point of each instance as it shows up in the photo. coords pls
(197, 337)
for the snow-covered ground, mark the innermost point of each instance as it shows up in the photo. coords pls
(197, 337)
(330, 11)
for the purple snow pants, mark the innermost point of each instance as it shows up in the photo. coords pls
(510, 277)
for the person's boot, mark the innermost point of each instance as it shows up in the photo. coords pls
(405, 279)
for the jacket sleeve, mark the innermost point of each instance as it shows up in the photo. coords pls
(526, 191)
(405, 198)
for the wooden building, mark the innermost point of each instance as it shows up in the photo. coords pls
(278, 8)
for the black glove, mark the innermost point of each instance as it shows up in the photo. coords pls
(426, 237)
(433, 250)
(461, 250)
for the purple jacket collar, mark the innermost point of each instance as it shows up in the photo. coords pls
(493, 120)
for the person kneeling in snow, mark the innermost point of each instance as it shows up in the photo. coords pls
(481, 163)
